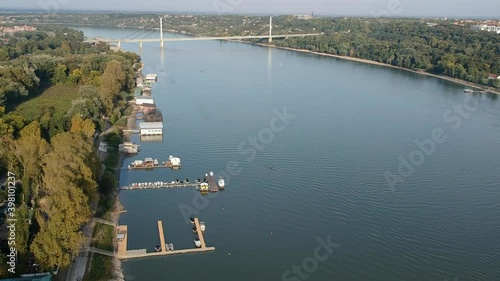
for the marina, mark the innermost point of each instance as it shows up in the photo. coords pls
(207, 184)
(164, 249)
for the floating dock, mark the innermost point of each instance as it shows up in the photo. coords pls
(123, 253)
(159, 184)
(212, 183)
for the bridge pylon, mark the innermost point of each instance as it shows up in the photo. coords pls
(270, 29)
(161, 32)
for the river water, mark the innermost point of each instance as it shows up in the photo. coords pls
(306, 144)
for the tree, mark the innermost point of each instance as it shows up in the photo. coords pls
(28, 152)
(22, 228)
(60, 76)
(86, 127)
(112, 81)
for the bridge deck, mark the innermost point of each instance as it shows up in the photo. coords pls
(203, 38)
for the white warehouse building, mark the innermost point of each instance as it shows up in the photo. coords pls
(144, 100)
(151, 128)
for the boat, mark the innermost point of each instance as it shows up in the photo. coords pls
(191, 220)
(194, 229)
(177, 181)
(202, 226)
(221, 183)
(174, 162)
(170, 247)
(198, 180)
(136, 164)
(187, 180)
(155, 163)
(197, 242)
(158, 248)
(469, 91)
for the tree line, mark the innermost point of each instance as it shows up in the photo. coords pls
(56, 92)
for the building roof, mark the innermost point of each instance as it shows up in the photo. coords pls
(151, 125)
(144, 98)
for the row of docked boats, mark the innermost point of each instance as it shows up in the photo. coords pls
(151, 163)
(169, 247)
(197, 241)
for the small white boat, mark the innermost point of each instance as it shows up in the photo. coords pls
(221, 182)
(197, 242)
(202, 226)
(191, 220)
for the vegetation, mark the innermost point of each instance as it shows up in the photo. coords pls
(440, 47)
(56, 92)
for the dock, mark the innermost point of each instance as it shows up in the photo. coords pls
(123, 253)
(212, 184)
(162, 237)
(155, 185)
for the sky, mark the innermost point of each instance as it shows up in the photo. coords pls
(415, 8)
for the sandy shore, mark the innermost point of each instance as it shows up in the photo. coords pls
(454, 80)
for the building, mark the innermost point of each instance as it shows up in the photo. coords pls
(151, 77)
(484, 27)
(144, 100)
(494, 76)
(151, 128)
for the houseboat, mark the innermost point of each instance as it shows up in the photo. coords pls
(129, 148)
(151, 77)
(136, 164)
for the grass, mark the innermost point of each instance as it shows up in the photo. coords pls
(57, 98)
(101, 269)
(103, 237)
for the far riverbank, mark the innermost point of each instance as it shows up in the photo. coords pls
(455, 80)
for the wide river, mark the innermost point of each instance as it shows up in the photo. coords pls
(335, 170)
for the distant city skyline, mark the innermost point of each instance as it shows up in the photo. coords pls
(403, 8)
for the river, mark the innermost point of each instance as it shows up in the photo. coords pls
(312, 146)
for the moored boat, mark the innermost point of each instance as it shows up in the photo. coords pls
(158, 248)
(221, 183)
(197, 242)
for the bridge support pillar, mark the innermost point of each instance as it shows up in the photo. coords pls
(270, 29)
(120, 44)
(140, 44)
(161, 44)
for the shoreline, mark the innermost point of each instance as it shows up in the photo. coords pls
(450, 79)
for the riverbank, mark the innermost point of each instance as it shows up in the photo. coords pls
(454, 80)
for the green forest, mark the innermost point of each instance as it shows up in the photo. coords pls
(56, 94)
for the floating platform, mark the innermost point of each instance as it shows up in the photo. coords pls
(159, 184)
(123, 253)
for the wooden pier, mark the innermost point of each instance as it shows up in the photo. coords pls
(123, 253)
(162, 237)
